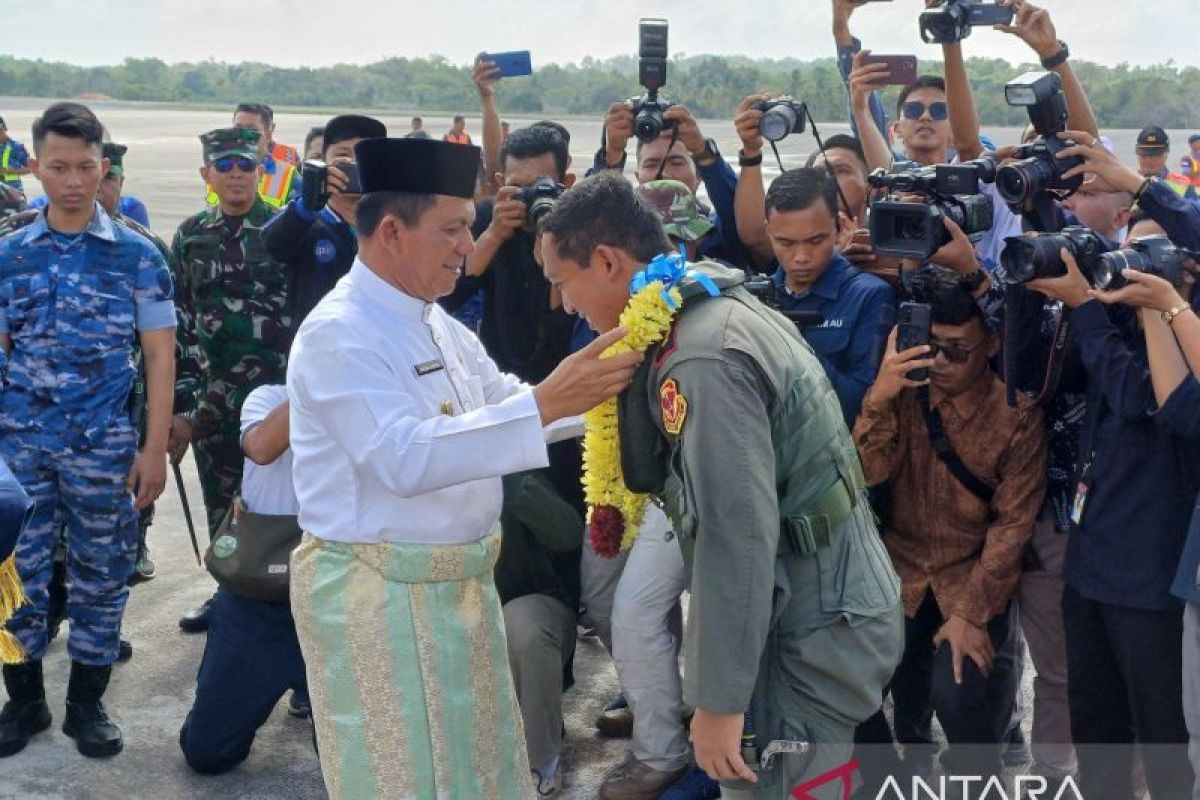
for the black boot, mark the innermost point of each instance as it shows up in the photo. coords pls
(26, 712)
(87, 722)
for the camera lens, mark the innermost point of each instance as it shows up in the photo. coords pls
(648, 124)
(540, 208)
(1110, 270)
(778, 122)
(1015, 183)
(1025, 258)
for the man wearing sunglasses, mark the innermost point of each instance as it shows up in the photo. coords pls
(956, 532)
(234, 322)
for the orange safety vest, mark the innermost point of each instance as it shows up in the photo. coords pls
(458, 138)
(1178, 182)
(285, 154)
(275, 186)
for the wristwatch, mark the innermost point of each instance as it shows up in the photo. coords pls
(749, 161)
(1169, 316)
(708, 154)
(972, 282)
(1064, 52)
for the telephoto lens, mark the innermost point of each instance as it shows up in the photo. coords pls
(1151, 254)
(1026, 258)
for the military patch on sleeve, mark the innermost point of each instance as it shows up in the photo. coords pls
(674, 407)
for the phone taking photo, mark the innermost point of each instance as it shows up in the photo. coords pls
(902, 70)
(913, 329)
(512, 64)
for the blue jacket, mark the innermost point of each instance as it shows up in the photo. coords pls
(1141, 468)
(1179, 216)
(859, 311)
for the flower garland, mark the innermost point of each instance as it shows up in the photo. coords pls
(614, 512)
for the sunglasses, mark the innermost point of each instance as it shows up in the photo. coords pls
(242, 163)
(954, 353)
(915, 110)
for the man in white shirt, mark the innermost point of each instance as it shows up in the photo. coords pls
(252, 655)
(401, 427)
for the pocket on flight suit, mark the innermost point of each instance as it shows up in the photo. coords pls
(856, 574)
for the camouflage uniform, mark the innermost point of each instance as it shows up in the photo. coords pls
(676, 206)
(72, 307)
(234, 327)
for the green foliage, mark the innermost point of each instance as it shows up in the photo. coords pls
(712, 86)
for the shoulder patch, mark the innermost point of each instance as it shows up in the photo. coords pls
(674, 407)
(324, 251)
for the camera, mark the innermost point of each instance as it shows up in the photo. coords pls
(540, 199)
(782, 117)
(952, 20)
(1037, 168)
(313, 177)
(1153, 254)
(916, 230)
(1027, 258)
(648, 109)
(764, 290)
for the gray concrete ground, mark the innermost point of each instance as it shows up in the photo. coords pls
(150, 695)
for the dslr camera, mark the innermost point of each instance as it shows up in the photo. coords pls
(915, 230)
(952, 20)
(540, 199)
(1028, 257)
(781, 117)
(763, 288)
(1037, 169)
(313, 176)
(1152, 254)
(648, 109)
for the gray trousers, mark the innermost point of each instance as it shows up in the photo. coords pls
(633, 602)
(541, 639)
(1191, 687)
(1039, 604)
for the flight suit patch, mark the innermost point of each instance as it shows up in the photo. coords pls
(674, 407)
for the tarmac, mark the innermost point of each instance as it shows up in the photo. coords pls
(150, 695)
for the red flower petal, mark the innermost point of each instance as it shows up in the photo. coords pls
(608, 528)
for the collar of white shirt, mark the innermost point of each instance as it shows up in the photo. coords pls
(364, 281)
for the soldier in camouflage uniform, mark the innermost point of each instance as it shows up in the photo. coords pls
(75, 291)
(144, 568)
(234, 323)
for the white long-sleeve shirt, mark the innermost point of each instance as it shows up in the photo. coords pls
(400, 423)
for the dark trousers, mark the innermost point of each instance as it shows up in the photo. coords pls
(975, 714)
(252, 657)
(1125, 668)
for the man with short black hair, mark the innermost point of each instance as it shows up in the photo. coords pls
(261, 117)
(314, 142)
(76, 290)
(279, 179)
(401, 427)
(966, 474)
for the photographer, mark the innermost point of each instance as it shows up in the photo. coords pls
(1135, 473)
(682, 153)
(318, 245)
(958, 525)
(857, 309)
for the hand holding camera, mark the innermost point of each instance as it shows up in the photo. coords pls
(322, 181)
(1033, 26)
(1143, 290)
(508, 214)
(747, 124)
(1070, 288)
(958, 254)
(688, 129)
(1111, 174)
(618, 130)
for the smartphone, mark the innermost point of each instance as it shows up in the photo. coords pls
(912, 330)
(312, 180)
(989, 14)
(902, 70)
(350, 170)
(512, 64)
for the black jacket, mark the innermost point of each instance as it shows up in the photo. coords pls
(318, 250)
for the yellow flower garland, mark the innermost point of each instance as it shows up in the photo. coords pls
(646, 319)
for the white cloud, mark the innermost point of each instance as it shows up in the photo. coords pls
(304, 32)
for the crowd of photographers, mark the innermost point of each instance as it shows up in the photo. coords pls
(1009, 328)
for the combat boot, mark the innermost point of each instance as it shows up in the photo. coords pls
(26, 712)
(95, 735)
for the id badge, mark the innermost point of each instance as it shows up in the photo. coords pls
(1079, 503)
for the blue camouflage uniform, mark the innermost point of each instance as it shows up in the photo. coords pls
(72, 306)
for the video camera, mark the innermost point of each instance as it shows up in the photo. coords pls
(763, 288)
(782, 117)
(952, 20)
(1038, 169)
(916, 230)
(648, 109)
(540, 199)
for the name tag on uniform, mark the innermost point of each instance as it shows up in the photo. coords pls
(428, 368)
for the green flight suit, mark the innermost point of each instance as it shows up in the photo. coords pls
(795, 614)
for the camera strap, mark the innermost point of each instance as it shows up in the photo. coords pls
(674, 138)
(945, 450)
(821, 148)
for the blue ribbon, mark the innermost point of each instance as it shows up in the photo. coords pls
(670, 269)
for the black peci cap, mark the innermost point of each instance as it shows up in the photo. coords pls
(419, 166)
(352, 126)
(1152, 141)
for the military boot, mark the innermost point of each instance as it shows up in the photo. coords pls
(26, 712)
(95, 735)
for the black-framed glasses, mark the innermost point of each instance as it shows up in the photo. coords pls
(915, 109)
(243, 163)
(954, 353)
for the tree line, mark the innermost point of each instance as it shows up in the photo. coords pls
(712, 86)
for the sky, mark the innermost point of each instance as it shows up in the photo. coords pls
(311, 33)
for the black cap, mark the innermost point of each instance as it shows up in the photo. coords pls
(419, 166)
(115, 153)
(1195, 137)
(353, 126)
(1152, 141)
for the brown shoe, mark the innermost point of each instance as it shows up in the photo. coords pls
(615, 723)
(633, 780)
